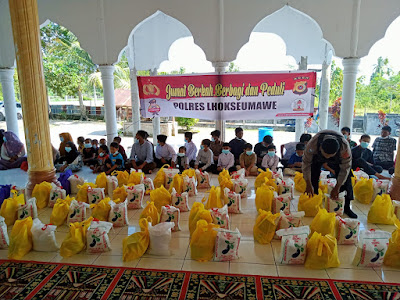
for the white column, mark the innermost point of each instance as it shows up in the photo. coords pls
(107, 77)
(350, 68)
(220, 68)
(135, 102)
(156, 120)
(324, 95)
(299, 128)
(10, 108)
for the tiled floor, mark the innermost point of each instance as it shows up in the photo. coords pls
(254, 258)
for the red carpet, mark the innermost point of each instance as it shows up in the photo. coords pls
(37, 280)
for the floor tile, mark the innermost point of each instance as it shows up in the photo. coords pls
(299, 271)
(84, 259)
(40, 256)
(389, 276)
(115, 260)
(208, 266)
(162, 264)
(252, 252)
(252, 269)
(354, 274)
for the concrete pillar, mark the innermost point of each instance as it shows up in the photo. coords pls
(107, 77)
(394, 189)
(7, 82)
(220, 68)
(324, 95)
(25, 26)
(350, 68)
(299, 128)
(135, 102)
(156, 120)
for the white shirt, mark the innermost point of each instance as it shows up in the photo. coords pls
(226, 161)
(166, 152)
(290, 149)
(191, 151)
(204, 157)
(270, 162)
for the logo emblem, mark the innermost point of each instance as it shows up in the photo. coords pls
(300, 87)
(154, 108)
(151, 89)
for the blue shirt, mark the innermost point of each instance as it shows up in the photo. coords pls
(115, 158)
(294, 159)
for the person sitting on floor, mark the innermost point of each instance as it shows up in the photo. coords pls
(288, 149)
(165, 154)
(270, 160)
(182, 162)
(261, 149)
(383, 150)
(101, 160)
(72, 160)
(142, 153)
(115, 161)
(103, 142)
(191, 149)
(88, 154)
(347, 133)
(205, 157)
(216, 145)
(362, 158)
(95, 145)
(226, 160)
(121, 149)
(237, 145)
(296, 160)
(248, 161)
(81, 143)
(12, 152)
(65, 137)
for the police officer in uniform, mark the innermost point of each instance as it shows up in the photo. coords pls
(331, 148)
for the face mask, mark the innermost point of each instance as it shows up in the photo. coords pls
(181, 154)
(385, 137)
(225, 151)
(88, 146)
(364, 145)
(68, 149)
(186, 141)
(158, 144)
(299, 155)
(212, 140)
(61, 139)
(101, 154)
(238, 138)
(271, 154)
(116, 153)
(136, 141)
(201, 147)
(4, 139)
(249, 152)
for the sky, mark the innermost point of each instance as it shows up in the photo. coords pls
(267, 52)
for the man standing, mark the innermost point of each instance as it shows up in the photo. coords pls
(237, 144)
(332, 148)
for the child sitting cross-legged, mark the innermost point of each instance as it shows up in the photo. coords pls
(101, 159)
(205, 157)
(296, 160)
(226, 160)
(270, 160)
(116, 161)
(182, 161)
(248, 160)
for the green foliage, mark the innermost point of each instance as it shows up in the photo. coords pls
(233, 68)
(187, 123)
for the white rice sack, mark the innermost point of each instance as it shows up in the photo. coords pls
(396, 205)
(28, 210)
(203, 179)
(277, 175)
(180, 201)
(118, 214)
(281, 203)
(97, 240)
(287, 187)
(75, 180)
(347, 230)
(220, 216)
(95, 195)
(77, 211)
(43, 237)
(227, 245)
(380, 187)
(160, 238)
(287, 221)
(233, 200)
(239, 173)
(240, 186)
(135, 195)
(293, 245)
(56, 193)
(4, 240)
(190, 185)
(169, 175)
(324, 174)
(330, 182)
(371, 248)
(336, 206)
(148, 185)
(112, 184)
(171, 214)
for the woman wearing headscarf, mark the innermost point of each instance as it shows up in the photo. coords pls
(12, 152)
(72, 159)
(65, 137)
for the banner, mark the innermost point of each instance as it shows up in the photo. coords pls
(233, 96)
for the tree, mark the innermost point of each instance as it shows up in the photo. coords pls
(233, 68)
(381, 68)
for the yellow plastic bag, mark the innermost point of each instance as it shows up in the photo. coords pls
(120, 193)
(323, 188)
(189, 173)
(20, 239)
(324, 223)
(264, 228)
(382, 210)
(135, 245)
(322, 252)
(160, 177)
(260, 180)
(60, 211)
(150, 211)
(101, 210)
(177, 183)
(310, 204)
(41, 192)
(264, 197)
(122, 177)
(392, 255)
(214, 198)
(82, 193)
(225, 183)
(299, 182)
(101, 182)
(9, 209)
(364, 190)
(202, 242)
(75, 241)
(198, 213)
(136, 177)
(160, 197)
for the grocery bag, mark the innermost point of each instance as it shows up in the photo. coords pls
(135, 194)
(233, 200)
(148, 185)
(177, 184)
(60, 211)
(335, 206)
(171, 214)
(310, 204)
(203, 179)
(75, 241)
(225, 182)
(77, 211)
(101, 182)
(392, 255)
(214, 198)
(136, 177)
(202, 242)
(160, 197)
(4, 239)
(293, 245)
(288, 221)
(324, 223)
(189, 172)
(120, 193)
(364, 190)
(264, 198)
(227, 244)
(224, 176)
(322, 252)
(347, 230)
(180, 201)
(28, 210)
(198, 212)
(190, 185)
(160, 239)
(112, 184)
(95, 195)
(358, 175)
(371, 248)
(381, 211)
(118, 215)
(287, 187)
(281, 203)
(135, 245)
(97, 239)
(63, 180)
(169, 176)
(265, 225)
(240, 186)
(101, 210)
(75, 181)
(160, 177)
(260, 179)
(9, 209)
(220, 216)
(150, 211)
(20, 239)
(396, 205)
(299, 182)
(41, 192)
(43, 237)
(380, 187)
(122, 177)
(56, 193)
(82, 194)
